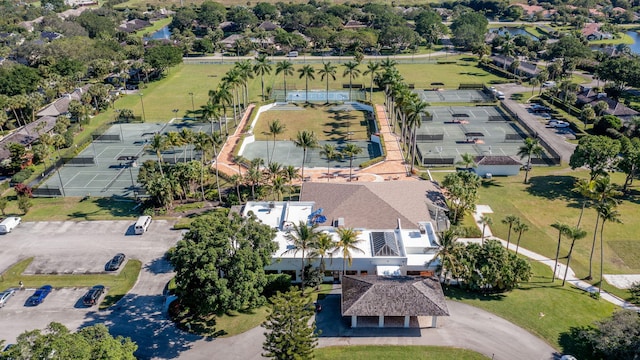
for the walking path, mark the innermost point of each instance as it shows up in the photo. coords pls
(561, 268)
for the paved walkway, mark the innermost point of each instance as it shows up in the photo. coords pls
(561, 268)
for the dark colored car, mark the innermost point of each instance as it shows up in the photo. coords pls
(114, 264)
(92, 297)
(39, 296)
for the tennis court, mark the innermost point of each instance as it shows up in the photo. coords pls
(110, 164)
(455, 130)
(319, 95)
(468, 95)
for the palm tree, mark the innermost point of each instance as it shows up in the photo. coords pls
(239, 160)
(277, 186)
(531, 147)
(305, 140)
(608, 213)
(351, 70)
(224, 97)
(604, 192)
(290, 173)
(372, 69)
(448, 243)
(175, 140)
(275, 128)
(210, 111)
(216, 140)
(348, 242)
(323, 246)
(236, 179)
(510, 220)
(534, 82)
(187, 138)
(231, 80)
(520, 228)
(245, 72)
(302, 237)
(331, 153)
(467, 160)
(414, 120)
(351, 150)
(307, 72)
(327, 71)
(158, 144)
(585, 188)
(563, 229)
(286, 68)
(574, 234)
(261, 67)
(272, 170)
(253, 177)
(485, 221)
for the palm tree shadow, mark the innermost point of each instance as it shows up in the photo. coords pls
(552, 187)
(490, 183)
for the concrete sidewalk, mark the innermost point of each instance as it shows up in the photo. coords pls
(561, 268)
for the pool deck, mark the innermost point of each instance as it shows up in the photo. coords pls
(391, 169)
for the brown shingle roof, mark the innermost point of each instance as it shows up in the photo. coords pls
(373, 295)
(375, 205)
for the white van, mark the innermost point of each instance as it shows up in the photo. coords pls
(292, 54)
(500, 95)
(8, 224)
(142, 224)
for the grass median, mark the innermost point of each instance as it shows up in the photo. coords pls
(117, 285)
(393, 352)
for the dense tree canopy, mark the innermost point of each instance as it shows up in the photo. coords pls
(597, 153)
(622, 71)
(220, 263)
(616, 337)
(469, 29)
(162, 57)
(57, 342)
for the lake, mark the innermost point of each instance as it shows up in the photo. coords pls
(161, 34)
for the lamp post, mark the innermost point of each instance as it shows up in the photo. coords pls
(144, 118)
(193, 106)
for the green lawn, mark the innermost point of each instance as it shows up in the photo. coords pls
(117, 285)
(327, 125)
(561, 307)
(74, 208)
(390, 352)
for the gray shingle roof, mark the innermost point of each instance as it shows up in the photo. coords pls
(496, 160)
(373, 295)
(375, 205)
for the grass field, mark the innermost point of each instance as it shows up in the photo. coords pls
(117, 285)
(382, 352)
(547, 199)
(72, 208)
(562, 307)
(326, 124)
(160, 98)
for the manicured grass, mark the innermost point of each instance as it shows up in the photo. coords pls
(326, 124)
(117, 285)
(544, 308)
(621, 38)
(392, 352)
(548, 198)
(74, 208)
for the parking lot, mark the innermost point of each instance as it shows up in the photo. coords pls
(85, 247)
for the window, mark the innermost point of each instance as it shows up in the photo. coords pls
(364, 272)
(352, 272)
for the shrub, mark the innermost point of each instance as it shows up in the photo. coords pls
(23, 190)
(275, 283)
(22, 176)
(24, 204)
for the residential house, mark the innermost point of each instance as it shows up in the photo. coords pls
(525, 69)
(133, 25)
(533, 11)
(268, 26)
(591, 32)
(26, 135)
(618, 109)
(354, 25)
(61, 105)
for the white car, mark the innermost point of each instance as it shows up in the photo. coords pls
(5, 295)
(558, 124)
(549, 84)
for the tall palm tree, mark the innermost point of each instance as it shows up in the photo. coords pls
(236, 180)
(290, 173)
(373, 67)
(262, 67)
(414, 120)
(331, 153)
(273, 170)
(534, 82)
(232, 81)
(253, 176)
(187, 138)
(158, 144)
(239, 160)
(307, 72)
(277, 186)
(245, 72)
(351, 70)
(574, 234)
(530, 148)
(448, 243)
(201, 142)
(351, 150)
(604, 192)
(510, 220)
(224, 97)
(347, 243)
(302, 238)
(608, 213)
(485, 221)
(520, 228)
(305, 140)
(327, 71)
(275, 128)
(585, 188)
(210, 112)
(216, 140)
(563, 229)
(286, 68)
(175, 140)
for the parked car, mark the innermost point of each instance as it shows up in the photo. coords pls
(92, 297)
(549, 84)
(114, 264)
(5, 295)
(557, 124)
(39, 296)
(544, 115)
(538, 108)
